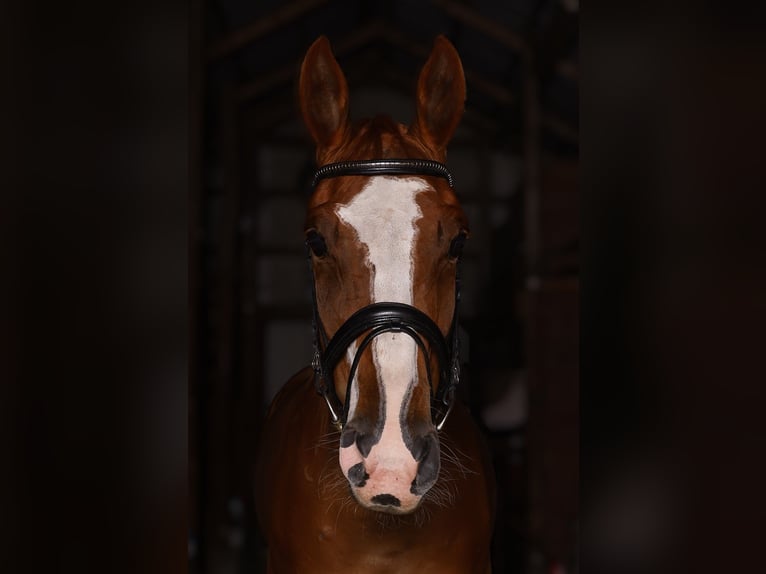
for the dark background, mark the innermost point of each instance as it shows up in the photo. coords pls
(102, 148)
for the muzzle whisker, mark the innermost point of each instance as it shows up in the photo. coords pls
(328, 440)
(453, 455)
(441, 494)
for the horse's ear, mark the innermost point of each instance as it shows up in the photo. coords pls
(323, 95)
(440, 95)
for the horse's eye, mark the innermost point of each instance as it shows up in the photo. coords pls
(316, 243)
(456, 247)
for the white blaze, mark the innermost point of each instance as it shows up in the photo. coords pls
(384, 215)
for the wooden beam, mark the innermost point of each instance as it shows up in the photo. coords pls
(476, 81)
(491, 28)
(238, 39)
(363, 37)
(270, 113)
(259, 120)
(532, 239)
(471, 117)
(286, 74)
(266, 83)
(197, 318)
(218, 442)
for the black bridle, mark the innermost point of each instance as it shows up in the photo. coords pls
(379, 318)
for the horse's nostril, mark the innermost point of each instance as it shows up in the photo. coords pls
(361, 432)
(347, 436)
(428, 465)
(424, 445)
(420, 447)
(357, 475)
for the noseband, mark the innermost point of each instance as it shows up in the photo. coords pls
(379, 318)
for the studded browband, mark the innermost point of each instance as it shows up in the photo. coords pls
(383, 167)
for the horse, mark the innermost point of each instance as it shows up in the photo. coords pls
(367, 462)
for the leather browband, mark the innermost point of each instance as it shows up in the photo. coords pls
(383, 167)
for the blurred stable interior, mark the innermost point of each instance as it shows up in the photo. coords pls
(515, 162)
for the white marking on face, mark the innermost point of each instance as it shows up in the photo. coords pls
(384, 215)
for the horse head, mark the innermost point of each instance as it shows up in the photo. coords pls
(389, 238)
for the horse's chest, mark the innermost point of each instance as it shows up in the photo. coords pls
(365, 549)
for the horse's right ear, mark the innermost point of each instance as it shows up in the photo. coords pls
(440, 96)
(323, 95)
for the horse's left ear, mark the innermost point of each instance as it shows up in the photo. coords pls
(440, 96)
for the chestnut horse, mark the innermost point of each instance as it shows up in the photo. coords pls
(367, 462)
